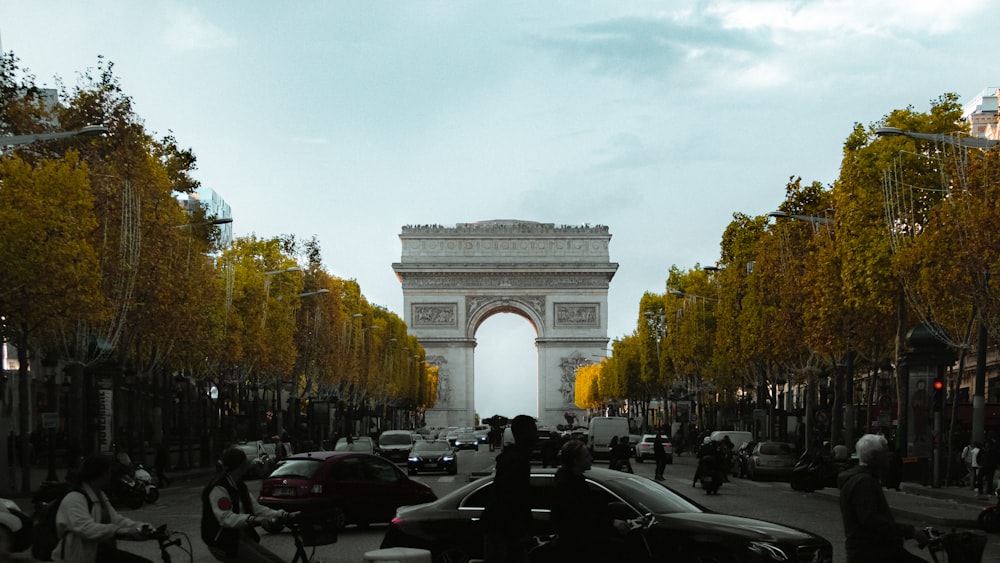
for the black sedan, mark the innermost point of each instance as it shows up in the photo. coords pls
(432, 455)
(683, 530)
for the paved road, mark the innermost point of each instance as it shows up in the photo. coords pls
(179, 507)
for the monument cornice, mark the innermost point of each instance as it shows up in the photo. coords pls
(505, 228)
(590, 278)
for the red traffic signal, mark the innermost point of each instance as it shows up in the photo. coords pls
(938, 385)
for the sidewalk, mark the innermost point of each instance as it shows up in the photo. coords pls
(38, 476)
(945, 507)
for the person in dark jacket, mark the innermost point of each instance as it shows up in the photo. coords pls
(660, 455)
(581, 517)
(507, 517)
(229, 514)
(872, 534)
(708, 459)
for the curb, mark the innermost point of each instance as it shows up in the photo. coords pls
(180, 477)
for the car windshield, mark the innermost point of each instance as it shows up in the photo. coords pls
(435, 446)
(302, 468)
(395, 440)
(651, 496)
(775, 448)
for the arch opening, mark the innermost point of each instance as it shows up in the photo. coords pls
(506, 366)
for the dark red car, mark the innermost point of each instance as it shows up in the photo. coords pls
(347, 487)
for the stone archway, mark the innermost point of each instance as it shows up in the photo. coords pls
(557, 278)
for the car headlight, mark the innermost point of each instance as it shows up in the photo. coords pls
(413, 458)
(769, 550)
(448, 458)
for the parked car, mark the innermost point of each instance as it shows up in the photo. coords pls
(466, 441)
(772, 460)
(360, 444)
(346, 487)
(741, 459)
(451, 527)
(432, 455)
(395, 445)
(644, 449)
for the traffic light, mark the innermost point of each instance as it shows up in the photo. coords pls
(939, 391)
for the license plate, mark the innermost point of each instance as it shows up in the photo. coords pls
(707, 479)
(283, 492)
(431, 465)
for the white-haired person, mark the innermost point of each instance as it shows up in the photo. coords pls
(872, 534)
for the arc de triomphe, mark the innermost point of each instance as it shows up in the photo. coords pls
(557, 278)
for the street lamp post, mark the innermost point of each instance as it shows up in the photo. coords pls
(263, 323)
(846, 388)
(960, 140)
(294, 399)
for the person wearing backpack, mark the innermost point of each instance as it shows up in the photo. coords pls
(88, 525)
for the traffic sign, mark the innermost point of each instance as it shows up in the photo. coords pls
(50, 420)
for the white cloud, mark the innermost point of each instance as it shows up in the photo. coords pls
(187, 29)
(840, 17)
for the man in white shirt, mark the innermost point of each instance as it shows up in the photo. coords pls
(230, 513)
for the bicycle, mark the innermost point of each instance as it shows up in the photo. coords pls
(955, 546)
(165, 540)
(309, 532)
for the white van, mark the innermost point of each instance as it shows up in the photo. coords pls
(602, 429)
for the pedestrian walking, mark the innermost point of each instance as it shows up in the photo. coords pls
(872, 534)
(88, 525)
(507, 516)
(989, 460)
(976, 450)
(660, 455)
(967, 462)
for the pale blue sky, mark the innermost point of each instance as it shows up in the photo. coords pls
(347, 120)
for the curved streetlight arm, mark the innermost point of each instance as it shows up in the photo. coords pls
(680, 293)
(956, 140)
(21, 140)
(311, 293)
(807, 218)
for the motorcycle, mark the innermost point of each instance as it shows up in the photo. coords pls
(126, 490)
(142, 476)
(710, 474)
(813, 472)
(989, 517)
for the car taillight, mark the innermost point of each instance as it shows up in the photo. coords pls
(756, 460)
(316, 489)
(396, 521)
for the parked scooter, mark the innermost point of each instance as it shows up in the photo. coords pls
(989, 517)
(15, 526)
(815, 471)
(142, 476)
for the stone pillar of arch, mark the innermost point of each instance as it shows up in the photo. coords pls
(557, 278)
